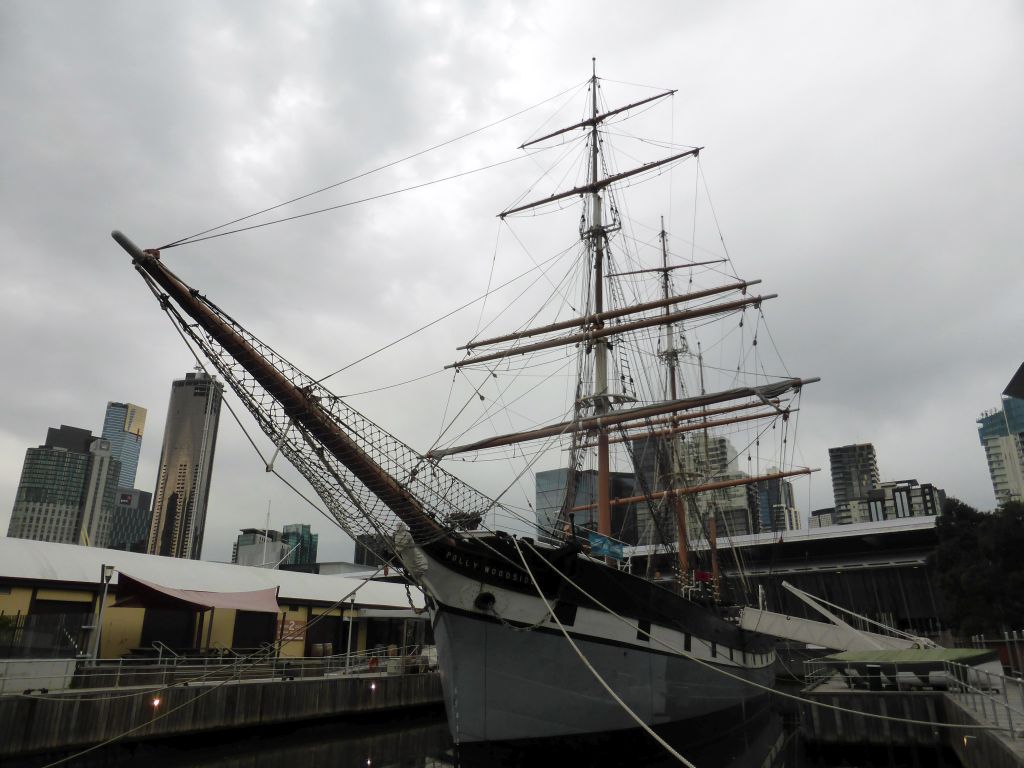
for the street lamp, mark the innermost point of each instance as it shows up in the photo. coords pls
(106, 574)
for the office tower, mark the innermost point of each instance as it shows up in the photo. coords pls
(776, 510)
(854, 472)
(1001, 432)
(129, 525)
(123, 425)
(66, 491)
(260, 547)
(301, 544)
(186, 462)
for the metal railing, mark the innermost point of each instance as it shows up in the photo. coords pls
(59, 635)
(167, 668)
(997, 698)
(1010, 648)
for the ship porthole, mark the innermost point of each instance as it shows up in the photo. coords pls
(484, 601)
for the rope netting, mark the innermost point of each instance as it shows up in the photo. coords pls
(444, 499)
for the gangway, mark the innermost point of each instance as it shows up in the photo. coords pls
(835, 633)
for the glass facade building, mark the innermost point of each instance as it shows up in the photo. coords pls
(123, 425)
(301, 544)
(186, 463)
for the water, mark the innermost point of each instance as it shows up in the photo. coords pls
(422, 740)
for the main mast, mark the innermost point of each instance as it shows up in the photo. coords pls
(600, 393)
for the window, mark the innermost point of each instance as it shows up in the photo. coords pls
(643, 630)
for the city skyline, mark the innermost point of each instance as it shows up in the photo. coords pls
(895, 266)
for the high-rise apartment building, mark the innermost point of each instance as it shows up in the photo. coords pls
(66, 491)
(1001, 432)
(854, 471)
(123, 425)
(186, 462)
(710, 460)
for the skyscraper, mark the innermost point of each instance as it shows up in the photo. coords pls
(1001, 432)
(123, 425)
(854, 472)
(66, 491)
(186, 462)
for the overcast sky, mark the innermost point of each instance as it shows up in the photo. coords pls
(865, 159)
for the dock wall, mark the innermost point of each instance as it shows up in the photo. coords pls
(974, 747)
(71, 719)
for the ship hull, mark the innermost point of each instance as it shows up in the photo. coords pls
(509, 673)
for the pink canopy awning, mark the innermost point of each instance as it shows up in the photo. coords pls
(134, 592)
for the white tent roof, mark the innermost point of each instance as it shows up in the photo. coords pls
(46, 561)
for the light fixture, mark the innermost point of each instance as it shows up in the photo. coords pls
(155, 702)
(373, 686)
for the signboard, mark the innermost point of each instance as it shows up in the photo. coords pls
(289, 630)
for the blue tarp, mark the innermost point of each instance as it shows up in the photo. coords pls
(602, 546)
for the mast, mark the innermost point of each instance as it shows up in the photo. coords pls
(600, 394)
(713, 523)
(675, 503)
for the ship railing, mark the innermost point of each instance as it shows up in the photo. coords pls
(33, 676)
(996, 698)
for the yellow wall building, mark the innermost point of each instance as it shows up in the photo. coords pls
(50, 595)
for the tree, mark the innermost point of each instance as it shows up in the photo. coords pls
(980, 567)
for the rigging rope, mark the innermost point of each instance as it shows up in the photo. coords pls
(330, 208)
(192, 238)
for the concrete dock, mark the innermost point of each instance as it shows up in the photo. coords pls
(993, 736)
(69, 719)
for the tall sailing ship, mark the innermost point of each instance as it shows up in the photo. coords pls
(557, 634)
